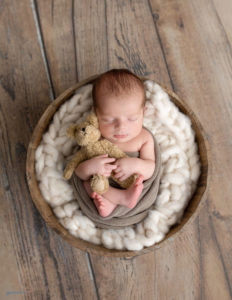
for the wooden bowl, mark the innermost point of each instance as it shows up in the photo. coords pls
(47, 212)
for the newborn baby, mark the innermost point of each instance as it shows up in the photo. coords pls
(119, 103)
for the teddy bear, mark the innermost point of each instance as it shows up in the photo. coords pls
(88, 137)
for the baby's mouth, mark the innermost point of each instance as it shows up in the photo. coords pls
(120, 136)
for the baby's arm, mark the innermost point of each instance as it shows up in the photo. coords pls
(145, 165)
(96, 165)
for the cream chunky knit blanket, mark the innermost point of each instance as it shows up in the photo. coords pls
(179, 175)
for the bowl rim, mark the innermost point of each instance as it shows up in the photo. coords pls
(191, 210)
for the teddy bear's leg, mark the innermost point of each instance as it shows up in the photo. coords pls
(99, 184)
(127, 182)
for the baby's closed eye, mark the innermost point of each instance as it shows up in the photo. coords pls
(107, 120)
(132, 119)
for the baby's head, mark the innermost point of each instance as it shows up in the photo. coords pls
(119, 103)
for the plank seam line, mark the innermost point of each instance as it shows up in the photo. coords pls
(161, 45)
(74, 38)
(222, 26)
(92, 275)
(42, 47)
(106, 25)
(197, 222)
(220, 254)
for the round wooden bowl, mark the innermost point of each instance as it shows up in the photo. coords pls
(47, 212)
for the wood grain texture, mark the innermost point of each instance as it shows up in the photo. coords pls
(186, 46)
(39, 264)
(132, 40)
(118, 278)
(91, 35)
(75, 40)
(223, 13)
(57, 32)
(199, 62)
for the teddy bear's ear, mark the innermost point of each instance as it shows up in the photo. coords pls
(92, 119)
(71, 131)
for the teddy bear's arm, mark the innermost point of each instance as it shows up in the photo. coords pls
(112, 150)
(74, 162)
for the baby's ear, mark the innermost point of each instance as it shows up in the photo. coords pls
(92, 119)
(72, 130)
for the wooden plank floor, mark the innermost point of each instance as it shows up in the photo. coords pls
(46, 47)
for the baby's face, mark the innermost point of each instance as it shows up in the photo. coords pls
(120, 117)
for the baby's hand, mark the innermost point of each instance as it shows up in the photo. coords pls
(125, 167)
(101, 165)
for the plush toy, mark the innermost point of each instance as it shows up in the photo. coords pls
(88, 136)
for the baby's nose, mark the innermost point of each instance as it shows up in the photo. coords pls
(119, 124)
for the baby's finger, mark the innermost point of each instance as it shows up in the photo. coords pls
(120, 178)
(118, 175)
(108, 169)
(123, 177)
(116, 163)
(102, 155)
(117, 170)
(109, 159)
(112, 167)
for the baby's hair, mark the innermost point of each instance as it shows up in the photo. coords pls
(116, 81)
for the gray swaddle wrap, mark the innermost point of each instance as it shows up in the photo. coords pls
(121, 216)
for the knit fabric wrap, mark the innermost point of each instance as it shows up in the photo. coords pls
(121, 216)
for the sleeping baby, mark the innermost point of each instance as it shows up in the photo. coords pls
(119, 103)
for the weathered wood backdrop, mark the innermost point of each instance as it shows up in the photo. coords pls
(46, 47)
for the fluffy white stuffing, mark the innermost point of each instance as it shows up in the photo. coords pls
(180, 171)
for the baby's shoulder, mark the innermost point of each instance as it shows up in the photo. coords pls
(146, 136)
(145, 139)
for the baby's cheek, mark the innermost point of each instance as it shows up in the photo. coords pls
(104, 129)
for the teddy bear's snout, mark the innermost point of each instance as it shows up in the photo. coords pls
(83, 129)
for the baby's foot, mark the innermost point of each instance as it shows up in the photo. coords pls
(134, 191)
(104, 206)
(139, 179)
(130, 196)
